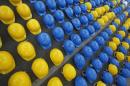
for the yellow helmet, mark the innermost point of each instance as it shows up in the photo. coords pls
(95, 14)
(20, 78)
(55, 81)
(56, 56)
(100, 83)
(101, 21)
(126, 26)
(7, 63)
(34, 26)
(26, 50)
(88, 5)
(125, 44)
(105, 18)
(113, 69)
(6, 15)
(99, 11)
(122, 33)
(109, 16)
(126, 13)
(112, 27)
(128, 58)
(81, 1)
(17, 32)
(103, 10)
(15, 2)
(116, 40)
(40, 68)
(112, 14)
(69, 72)
(0, 42)
(117, 21)
(129, 36)
(107, 8)
(120, 56)
(24, 11)
(112, 45)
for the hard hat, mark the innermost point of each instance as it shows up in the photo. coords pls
(112, 45)
(121, 81)
(94, 45)
(128, 58)
(84, 20)
(6, 15)
(68, 46)
(122, 33)
(104, 35)
(15, 2)
(76, 2)
(55, 81)
(77, 10)
(100, 40)
(108, 50)
(117, 21)
(91, 29)
(103, 10)
(58, 34)
(90, 74)
(125, 44)
(68, 27)
(113, 69)
(56, 56)
(99, 11)
(79, 61)
(123, 28)
(116, 40)
(126, 13)
(90, 17)
(126, 26)
(24, 11)
(44, 40)
(69, 72)
(69, 2)
(76, 23)
(87, 52)
(34, 26)
(40, 7)
(97, 65)
(80, 81)
(127, 40)
(75, 38)
(20, 78)
(120, 56)
(69, 12)
(84, 34)
(127, 65)
(114, 61)
(100, 83)
(125, 72)
(101, 22)
(51, 4)
(40, 68)
(119, 36)
(107, 8)
(107, 77)
(95, 14)
(81, 1)
(49, 21)
(105, 18)
(61, 4)
(17, 32)
(109, 16)
(109, 31)
(97, 26)
(26, 50)
(59, 16)
(0, 42)
(83, 8)
(88, 5)
(7, 62)
(103, 57)
(115, 24)
(123, 49)
(93, 3)
(112, 27)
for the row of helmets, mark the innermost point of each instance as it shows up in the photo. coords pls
(38, 63)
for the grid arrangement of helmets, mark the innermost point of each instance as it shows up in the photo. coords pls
(64, 42)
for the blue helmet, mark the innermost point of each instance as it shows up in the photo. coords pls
(100, 40)
(61, 3)
(69, 12)
(80, 81)
(107, 77)
(77, 10)
(97, 64)
(94, 45)
(103, 57)
(76, 23)
(121, 81)
(51, 4)
(59, 16)
(84, 34)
